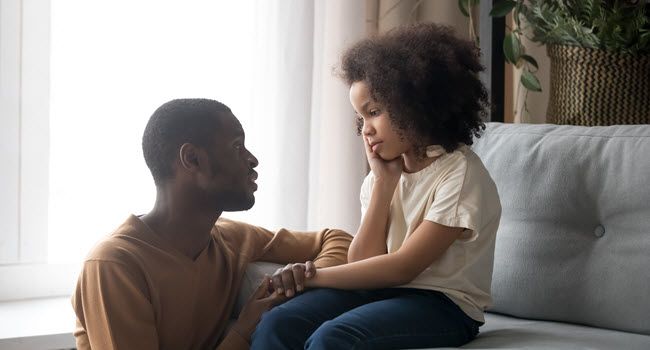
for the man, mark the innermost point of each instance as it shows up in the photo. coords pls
(169, 279)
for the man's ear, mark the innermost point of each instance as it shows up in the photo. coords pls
(190, 157)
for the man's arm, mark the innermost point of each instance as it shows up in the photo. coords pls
(327, 247)
(259, 302)
(234, 341)
(112, 310)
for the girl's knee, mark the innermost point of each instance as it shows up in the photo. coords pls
(334, 335)
(271, 325)
(283, 327)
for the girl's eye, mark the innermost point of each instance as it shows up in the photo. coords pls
(373, 113)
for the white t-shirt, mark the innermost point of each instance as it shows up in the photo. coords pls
(457, 191)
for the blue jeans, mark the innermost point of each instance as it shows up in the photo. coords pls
(395, 318)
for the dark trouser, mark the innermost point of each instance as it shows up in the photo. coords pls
(395, 318)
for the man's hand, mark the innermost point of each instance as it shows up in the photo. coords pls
(290, 279)
(261, 301)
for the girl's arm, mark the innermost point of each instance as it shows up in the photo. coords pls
(370, 239)
(429, 241)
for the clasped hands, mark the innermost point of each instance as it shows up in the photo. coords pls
(284, 283)
(290, 280)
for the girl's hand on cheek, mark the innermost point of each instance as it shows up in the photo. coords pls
(384, 170)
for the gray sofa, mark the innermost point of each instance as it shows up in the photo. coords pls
(572, 259)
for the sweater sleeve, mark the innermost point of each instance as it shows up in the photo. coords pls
(112, 310)
(328, 247)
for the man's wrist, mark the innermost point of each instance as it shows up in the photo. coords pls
(237, 329)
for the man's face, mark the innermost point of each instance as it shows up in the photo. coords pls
(231, 178)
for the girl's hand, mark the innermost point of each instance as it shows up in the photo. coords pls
(387, 171)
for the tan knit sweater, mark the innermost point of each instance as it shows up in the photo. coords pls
(135, 291)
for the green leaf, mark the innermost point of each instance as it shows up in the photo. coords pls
(530, 82)
(464, 7)
(502, 8)
(530, 60)
(511, 48)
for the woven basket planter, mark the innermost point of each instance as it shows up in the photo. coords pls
(595, 87)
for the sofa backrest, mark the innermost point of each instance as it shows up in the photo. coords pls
(574, 240)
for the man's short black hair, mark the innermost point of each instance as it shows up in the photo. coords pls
(188, 120)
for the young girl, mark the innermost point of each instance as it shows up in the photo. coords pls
(420, 266)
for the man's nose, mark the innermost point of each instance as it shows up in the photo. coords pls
(252, 160)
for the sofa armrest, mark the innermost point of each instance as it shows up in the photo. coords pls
(252, 277)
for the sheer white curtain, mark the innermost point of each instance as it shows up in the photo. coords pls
(278, 125)
(337, 159)
(302, 128)
(113, 62)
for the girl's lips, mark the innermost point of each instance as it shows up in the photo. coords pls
(374, 146)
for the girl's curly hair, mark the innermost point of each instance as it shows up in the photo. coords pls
(426, 78)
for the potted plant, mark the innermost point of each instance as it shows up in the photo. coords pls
(599, 52)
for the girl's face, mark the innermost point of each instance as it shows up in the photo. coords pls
(378, 131)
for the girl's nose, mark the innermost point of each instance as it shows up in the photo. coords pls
(367, 129)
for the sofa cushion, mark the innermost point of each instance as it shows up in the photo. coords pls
(574, 240)
(503, 332)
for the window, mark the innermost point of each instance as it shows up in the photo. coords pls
(79, 81)
(24, 72)
(109, 71)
